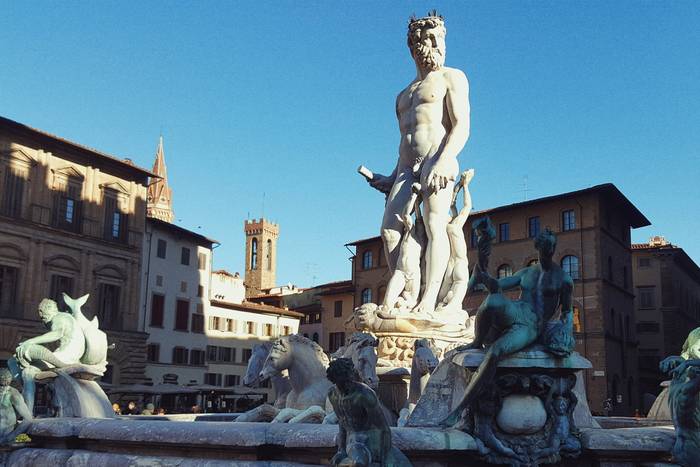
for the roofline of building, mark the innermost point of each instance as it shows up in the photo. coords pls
(201, 239)
(257, 308)
(682, 257)
(71, 146)
(637, 219)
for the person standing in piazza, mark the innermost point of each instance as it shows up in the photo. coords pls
(433, 114)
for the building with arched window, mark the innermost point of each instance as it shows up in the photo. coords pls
(260, 252)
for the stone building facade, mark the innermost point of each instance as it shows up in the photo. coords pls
(71, 220)
(260, 255)
(593, 235)
(176, 286)
(667, 289)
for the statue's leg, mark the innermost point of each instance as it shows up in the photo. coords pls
(511, 341)
(29, 386)
(392, 227)
(437, 254)
(39, 353)
(482, 321)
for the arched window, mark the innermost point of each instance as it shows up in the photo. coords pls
(268, 254)
(504, 270)
(367, 259)
(569, 264)
(254, 254)
(366, 296)
(315, 337)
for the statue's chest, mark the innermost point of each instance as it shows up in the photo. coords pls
(352, 410)
(428, 91)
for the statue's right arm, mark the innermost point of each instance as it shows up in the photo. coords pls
(51, 336)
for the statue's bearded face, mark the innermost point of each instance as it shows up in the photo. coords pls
(428, 48)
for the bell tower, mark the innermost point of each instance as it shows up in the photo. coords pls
(260, 255)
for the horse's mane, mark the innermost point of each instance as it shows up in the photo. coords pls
(298, 338)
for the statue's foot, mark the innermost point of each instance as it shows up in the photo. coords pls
(462, 348)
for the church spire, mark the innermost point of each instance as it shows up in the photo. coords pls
(160, 203)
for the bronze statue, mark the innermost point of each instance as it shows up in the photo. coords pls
(12, 405)
(507, 326)
(364, 436)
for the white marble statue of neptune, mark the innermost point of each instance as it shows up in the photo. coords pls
(433, 114)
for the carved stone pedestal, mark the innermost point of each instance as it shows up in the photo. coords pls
(393, 387)
(525, 416)
(76, 394)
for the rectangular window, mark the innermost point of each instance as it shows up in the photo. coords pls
(200, 291)
(533, 227)
(185, 256)
(197, 357)
(153, 353)
(157, 307)
(503, 232)
(115, 222)
(202, 261)
(230, 325)
(212, 353)
(183, 286)
(182, 315)
(159, 281)
(335, 341)
(247, 353)
(250, 327)
(8, 291)
(212, 379)
(286, 330)
(267, 330)
(162, 248)
(568, 220)
(338, 309)
(67, 209)
(644, 262)
(648, 327)
(59, 285)
(108, 305)
(232, 380)
(180, 355)
(214, 323)
(13, 193)
(197, 323)
(224, 354)
(647, 297)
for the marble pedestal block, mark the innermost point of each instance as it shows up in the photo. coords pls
(393, 387)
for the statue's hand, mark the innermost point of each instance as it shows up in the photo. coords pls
(669, 364)
(439, 177)
(339, 456)
(381, 183)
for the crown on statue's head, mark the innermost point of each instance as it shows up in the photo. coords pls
(433, 17)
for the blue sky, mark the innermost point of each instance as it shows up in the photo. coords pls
(288, 98)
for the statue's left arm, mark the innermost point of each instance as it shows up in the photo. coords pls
(457, 104)
(20, 406)
(566, 300)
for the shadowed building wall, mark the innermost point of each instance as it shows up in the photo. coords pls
(71, 220)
